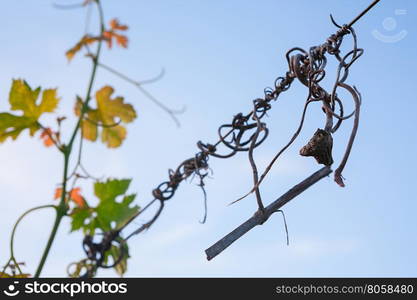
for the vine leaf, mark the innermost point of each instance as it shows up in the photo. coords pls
(108, 114)
(74, 195)
(110, 213)
(47, 137)
(23, 275)
(114, 253)
(84, 41)
(23, 98)
(78, 267)
(113, 34)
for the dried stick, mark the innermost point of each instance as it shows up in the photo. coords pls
(260, 218)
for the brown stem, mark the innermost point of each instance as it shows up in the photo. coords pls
(258, 219)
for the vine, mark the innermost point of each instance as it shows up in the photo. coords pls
(105, 242)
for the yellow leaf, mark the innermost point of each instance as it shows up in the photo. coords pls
(109, 108)
(49, 100)
(23, 98)
(5, 275)
(88, 128)
(113, 136)
(109, 114)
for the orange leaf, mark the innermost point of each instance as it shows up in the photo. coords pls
(46, 135)
(115, 25)
(85, 40)
(121, 40)
(58, 193)
(75, 196)
(108, 37)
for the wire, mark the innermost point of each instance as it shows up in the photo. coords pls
(363, 13)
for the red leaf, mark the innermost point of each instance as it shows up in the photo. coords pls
(115, 25)
(75, 196)
(121, 39)
(58, 193)
(46, 136)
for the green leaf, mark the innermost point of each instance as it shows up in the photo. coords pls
(110, 189)
(108, 210)
(79, 217)
(11, 126)
(23, 98)
(110, 112)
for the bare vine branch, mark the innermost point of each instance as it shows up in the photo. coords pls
(260, 218)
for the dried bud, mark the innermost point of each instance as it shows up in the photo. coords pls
(320, 147)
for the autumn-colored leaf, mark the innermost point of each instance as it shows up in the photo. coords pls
(5, 275)
(121, 39)
(114, 253)
(75, 196)
(112, 34)
(23, 98)
(46, 136)
(115, 25)
(58, 193)
(77, 269)
(85, 41)
(110, 112)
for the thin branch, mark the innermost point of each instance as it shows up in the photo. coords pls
(62, 209)
(138, 84)
(153, 79)
(260, 218)
(68, 6)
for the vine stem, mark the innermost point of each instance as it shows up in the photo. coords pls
(62, 207)
(20, 219)
(12, 257)
(260, 217)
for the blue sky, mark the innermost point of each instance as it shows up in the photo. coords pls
(218, 57)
